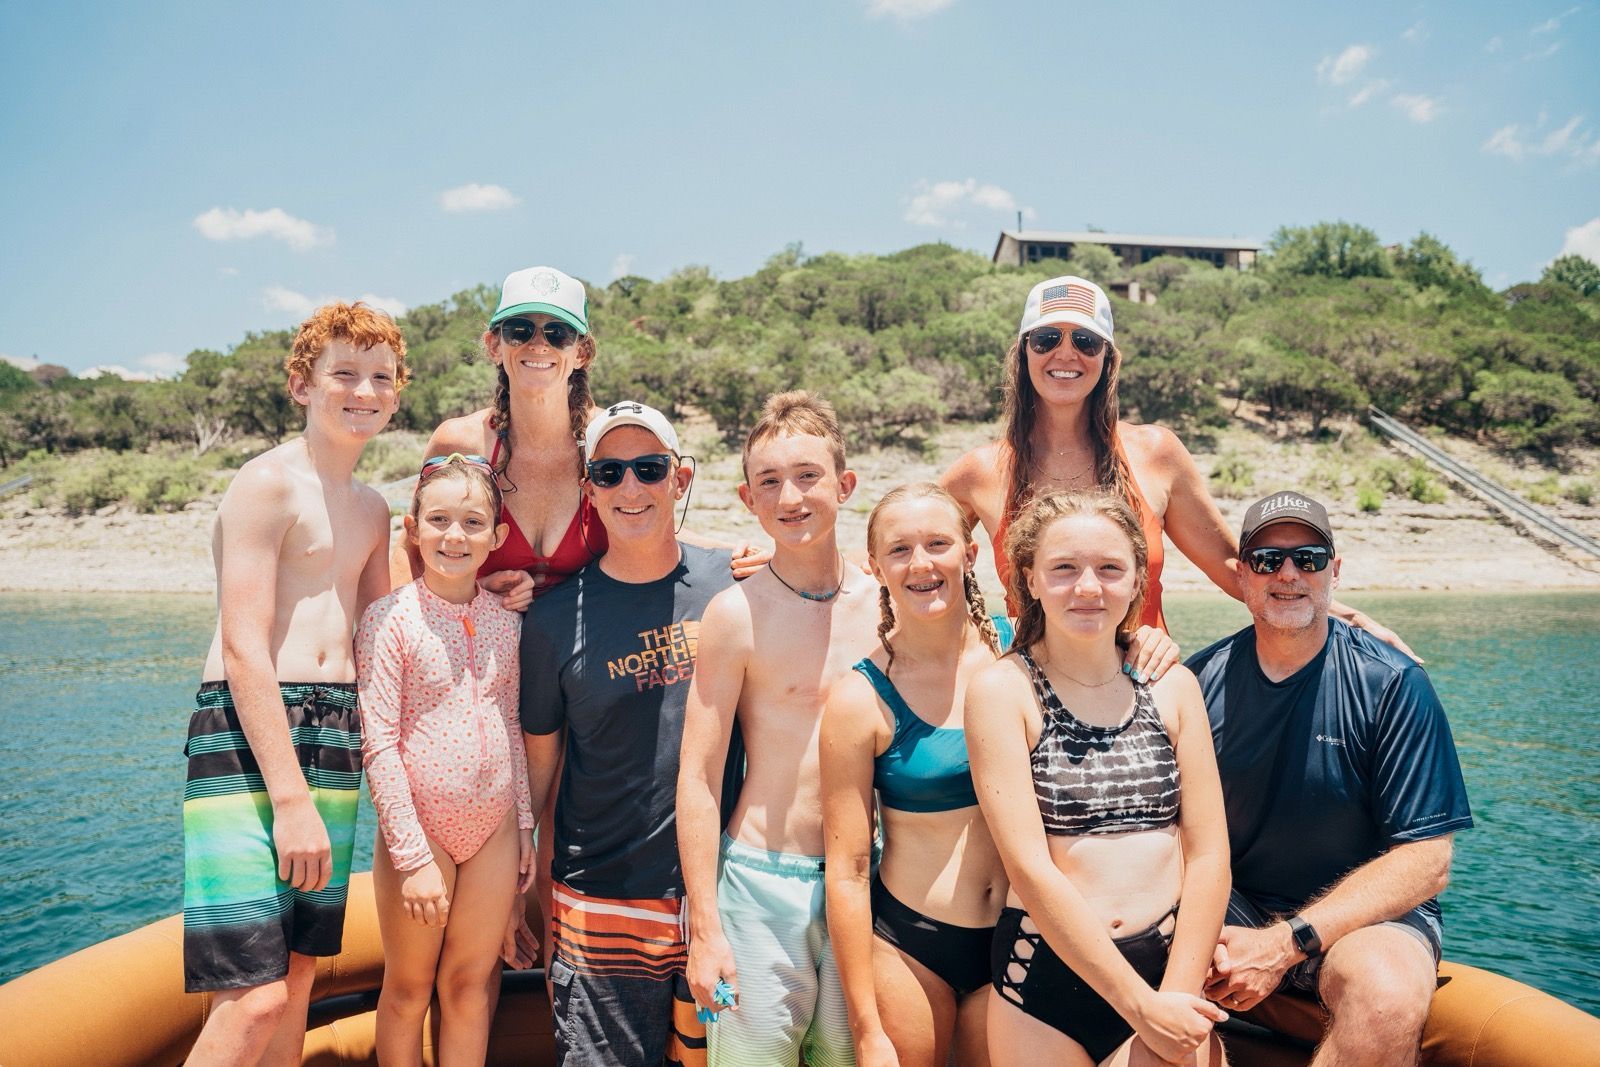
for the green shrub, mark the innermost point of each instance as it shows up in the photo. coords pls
(148, 481)
(1581, 492)
(390, 457)
(1369, 497)
(1234, 477)
(1546, 490)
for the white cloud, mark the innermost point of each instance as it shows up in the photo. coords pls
(905, 10)
(1417, 32)
(227, 224)
(115, 371)
(1418, 108)
(229, 272)
(1583, 241)
(1544, 53)
(1554, 24)
(163, 364)
(20, 362)
(475, 197)
(1574, 141)
(1505, 142)
(1493, 45)
(300, 305)
(1368, 91)
(1346, 66)
(940, 203)
(622, 265)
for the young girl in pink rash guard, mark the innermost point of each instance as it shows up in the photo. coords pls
(437, 664)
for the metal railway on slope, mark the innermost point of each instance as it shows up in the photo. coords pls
(1533, 521)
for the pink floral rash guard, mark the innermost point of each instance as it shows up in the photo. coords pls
(441, 740)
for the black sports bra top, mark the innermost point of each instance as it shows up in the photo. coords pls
(1102, 779)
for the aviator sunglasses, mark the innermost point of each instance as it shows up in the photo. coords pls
(521, 331)
(1270, 560)
(650, 469)
(1045, 339)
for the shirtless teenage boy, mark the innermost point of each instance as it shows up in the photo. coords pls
(274, 745)
(769, 649)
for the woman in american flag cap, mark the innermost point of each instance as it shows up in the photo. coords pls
(1063, 431)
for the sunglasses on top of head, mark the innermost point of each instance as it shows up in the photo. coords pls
(1270, 560)
(1045, 339)
(650, 469)
(520, 331)
(467, 459)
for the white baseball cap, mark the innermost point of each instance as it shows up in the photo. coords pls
(544, 291)
(1068, 300)
(629, 413)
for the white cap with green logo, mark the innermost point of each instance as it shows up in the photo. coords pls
(544, 291)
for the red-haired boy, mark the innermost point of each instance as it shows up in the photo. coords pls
(274, 744)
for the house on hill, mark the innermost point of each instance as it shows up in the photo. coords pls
(1016, 247)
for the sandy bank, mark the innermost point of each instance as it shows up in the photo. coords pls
(1453, 545)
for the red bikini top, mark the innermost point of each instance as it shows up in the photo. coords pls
(583, 543)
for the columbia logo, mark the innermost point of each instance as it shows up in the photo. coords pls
(1325, 739)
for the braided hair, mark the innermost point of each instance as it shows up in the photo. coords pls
(977, 611)
(579, 404)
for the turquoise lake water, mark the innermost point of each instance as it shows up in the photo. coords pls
(97, 691)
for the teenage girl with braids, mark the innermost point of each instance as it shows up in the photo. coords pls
(1063, 431)
(913, 941)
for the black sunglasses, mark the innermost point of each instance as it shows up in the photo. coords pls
(608, 473)
(1306, 557)
(1045, 339)
(521, 331)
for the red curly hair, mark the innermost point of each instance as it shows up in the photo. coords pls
(356, 323)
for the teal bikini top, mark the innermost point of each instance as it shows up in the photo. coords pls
(925, 767)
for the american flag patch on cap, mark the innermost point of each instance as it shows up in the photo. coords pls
(1067, 297)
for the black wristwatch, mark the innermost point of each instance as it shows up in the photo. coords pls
(1305, 936)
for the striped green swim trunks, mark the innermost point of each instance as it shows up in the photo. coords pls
(240, 920)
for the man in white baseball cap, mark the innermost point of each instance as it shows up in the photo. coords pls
(608, 655)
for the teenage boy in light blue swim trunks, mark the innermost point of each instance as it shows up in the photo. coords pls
(770, 648)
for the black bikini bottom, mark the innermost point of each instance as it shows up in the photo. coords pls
(1037, 981)
(959, 955)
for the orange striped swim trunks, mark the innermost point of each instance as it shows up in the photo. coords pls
(617, 978)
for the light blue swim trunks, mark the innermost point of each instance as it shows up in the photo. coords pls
(790, 999)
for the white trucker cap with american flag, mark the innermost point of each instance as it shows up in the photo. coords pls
(1068, 300)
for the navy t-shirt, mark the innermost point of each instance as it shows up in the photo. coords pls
(1327, 769)
(611, 661)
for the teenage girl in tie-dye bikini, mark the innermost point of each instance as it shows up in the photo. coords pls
(439, 670)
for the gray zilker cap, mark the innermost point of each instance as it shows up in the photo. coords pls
(1287, 506)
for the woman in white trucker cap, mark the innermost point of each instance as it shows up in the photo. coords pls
(1063, 431)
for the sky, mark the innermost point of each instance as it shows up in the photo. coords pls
(176, 175)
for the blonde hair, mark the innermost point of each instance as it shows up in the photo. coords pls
(362, 326)
(977, 610)
(798, 413)
(1022, 546)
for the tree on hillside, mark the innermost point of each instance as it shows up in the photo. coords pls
(1575, 272)
(1428, 261)
(1531, 409)
(1328, 249)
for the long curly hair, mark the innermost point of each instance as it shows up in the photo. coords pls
(1022, 547)
(977, 610)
